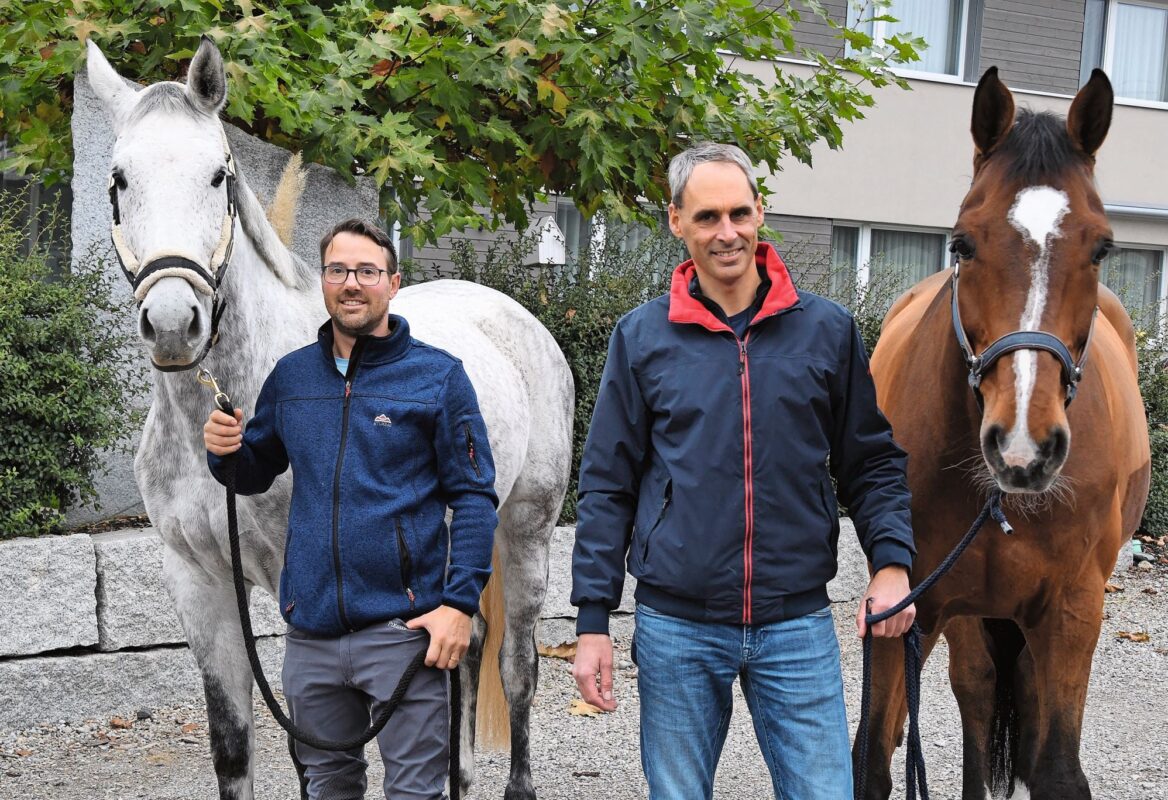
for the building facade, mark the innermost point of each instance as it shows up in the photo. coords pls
(889, 197)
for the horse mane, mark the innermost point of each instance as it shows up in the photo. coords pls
(292, 270)
(1038, 148)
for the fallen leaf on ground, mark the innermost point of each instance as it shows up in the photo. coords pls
(564, 650)
(190, 727)
(1136, 636)
(120, 722)
(1150, 590)
(1111, 588)
(578, 708)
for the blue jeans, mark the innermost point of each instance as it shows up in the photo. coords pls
(790, 674)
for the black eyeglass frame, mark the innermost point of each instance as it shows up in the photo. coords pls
(354, 271)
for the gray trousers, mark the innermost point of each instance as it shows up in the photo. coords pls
(334, 687)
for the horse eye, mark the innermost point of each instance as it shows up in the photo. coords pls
(219, 176)
(1101, 251)
(962, 247)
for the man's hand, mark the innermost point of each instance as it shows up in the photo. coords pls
(887, 588)
(222, 434)
(594, 660)
(449, 631)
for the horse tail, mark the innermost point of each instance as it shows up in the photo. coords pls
(1004, 730)
(493, 729)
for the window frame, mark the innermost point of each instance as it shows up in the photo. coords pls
(863, 254)
(963, 47)
(1106, 60)
(1162, 289)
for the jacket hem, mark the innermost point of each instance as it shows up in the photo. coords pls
(765, 611)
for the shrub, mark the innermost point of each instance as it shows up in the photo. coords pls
(1152, 350)
(64, 374)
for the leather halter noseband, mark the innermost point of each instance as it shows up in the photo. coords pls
(979, 365)
(204, 280)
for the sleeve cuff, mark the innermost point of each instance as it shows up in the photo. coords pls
(889, 552)
(592, 618)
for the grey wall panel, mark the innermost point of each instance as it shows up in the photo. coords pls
(1036, 44)
(806, 245)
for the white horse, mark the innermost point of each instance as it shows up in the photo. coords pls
(179, 206)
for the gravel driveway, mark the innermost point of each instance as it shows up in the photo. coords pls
(165, 757)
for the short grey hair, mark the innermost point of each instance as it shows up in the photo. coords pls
(683, 164)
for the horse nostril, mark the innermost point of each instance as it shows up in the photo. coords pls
(1056, 446)
(994, 438)
(146, 329)
(193, 328)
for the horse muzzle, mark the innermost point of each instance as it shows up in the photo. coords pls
(174, 324)
(1025, 467)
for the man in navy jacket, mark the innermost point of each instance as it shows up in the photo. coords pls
(725, 409)
(382, 433)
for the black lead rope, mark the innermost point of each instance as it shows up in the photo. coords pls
(386, 711)
(914, 755)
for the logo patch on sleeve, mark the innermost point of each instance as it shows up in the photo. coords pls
(382, 419)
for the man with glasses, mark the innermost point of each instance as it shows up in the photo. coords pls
(382, 433)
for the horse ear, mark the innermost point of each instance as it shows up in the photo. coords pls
(1090, 114)
(111, 90)
(206, 80)
(993, 113)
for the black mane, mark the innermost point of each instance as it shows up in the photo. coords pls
(1038, 147)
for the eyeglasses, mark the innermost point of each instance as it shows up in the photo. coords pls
(366, 276)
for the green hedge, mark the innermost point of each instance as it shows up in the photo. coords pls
(65, 380)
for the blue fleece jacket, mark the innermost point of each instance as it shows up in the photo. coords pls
(710, 458)
(378, 454)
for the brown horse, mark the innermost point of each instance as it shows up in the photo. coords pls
(1021, 613)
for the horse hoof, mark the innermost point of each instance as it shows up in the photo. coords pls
(513, 793)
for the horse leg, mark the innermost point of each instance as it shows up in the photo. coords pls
(469, 671)
(983, 675)
(1060, 648)
(208, 614)
(525, 525)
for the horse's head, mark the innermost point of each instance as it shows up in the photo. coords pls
(1029, 239)
(172, 190)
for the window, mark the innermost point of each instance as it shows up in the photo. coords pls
(885, 260)
(941, 23)
(1129, 40)
(1136, 275)
(577, 228)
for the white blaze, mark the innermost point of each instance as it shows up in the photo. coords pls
(1036, 214)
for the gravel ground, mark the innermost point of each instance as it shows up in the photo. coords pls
(165, 757)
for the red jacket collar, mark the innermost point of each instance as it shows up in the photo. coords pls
(684, 307)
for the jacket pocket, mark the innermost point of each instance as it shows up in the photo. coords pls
(667, 499)
(831, 509)
(470, 449)
(287, 591)
(405, 562)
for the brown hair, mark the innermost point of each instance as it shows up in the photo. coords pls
(369, 231)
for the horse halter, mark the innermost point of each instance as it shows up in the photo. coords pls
(204, 280)
(979, 365)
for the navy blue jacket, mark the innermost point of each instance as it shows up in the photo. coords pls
(377, 454)
(709, 460)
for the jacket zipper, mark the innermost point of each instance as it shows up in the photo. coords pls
(405, 563)
(748, 466)
(354, 357)
(470, 449)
